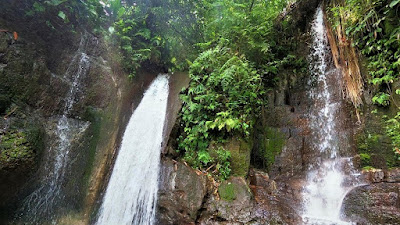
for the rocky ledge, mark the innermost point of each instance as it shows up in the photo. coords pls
(376, 202)
(188, 196)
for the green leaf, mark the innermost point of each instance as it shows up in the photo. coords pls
(394, 3)
(62, 15)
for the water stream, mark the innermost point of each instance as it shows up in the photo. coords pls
(42, 203)
(131, 194)
(331, 175)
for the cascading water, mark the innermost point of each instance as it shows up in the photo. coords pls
(331, 176)
(131, 194)
(41, 203)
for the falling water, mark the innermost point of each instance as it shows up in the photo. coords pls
(331, 176)
(131, 194)
(41, 203)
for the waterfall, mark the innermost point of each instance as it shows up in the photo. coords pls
(42, 203)
(331, 175)
(131, 194)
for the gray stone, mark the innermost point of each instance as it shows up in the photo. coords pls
(377, 203)
(392, 175)
(234, 206)
(181, 193)
(377, 176)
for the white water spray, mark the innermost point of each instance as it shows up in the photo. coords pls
(331, 177)
(131, 194)
(41, 204)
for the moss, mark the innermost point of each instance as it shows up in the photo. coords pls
(240, 151)
(365, 159)
(240, 160)
(367, 168)
(374, 142)
(274, 141)
(96, 122)
(15, 148)
(227, 191)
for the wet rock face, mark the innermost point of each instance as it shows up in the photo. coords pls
(374, 145)
(274, 199)
(24, 76)
(33, 87)
(181, 193)
(235, 204)
(377, 203)
(186, 196)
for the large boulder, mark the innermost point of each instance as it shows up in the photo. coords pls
(233, 205)
(377, 203)
(181, 194)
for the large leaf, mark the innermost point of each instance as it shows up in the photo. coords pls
(394, 3)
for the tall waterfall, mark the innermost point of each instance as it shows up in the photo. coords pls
(332, 175)
(131, 194)
(42, 203)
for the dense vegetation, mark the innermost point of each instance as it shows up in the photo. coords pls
(234, 51)
(373, 27)
(240, 62)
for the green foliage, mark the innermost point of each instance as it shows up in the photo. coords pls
(181, 25)
(365, 159)
(393, 131)
(381, 99)
(137, 42)
(223, 164)
(162, 33)
(375, 27)
(222, 99)
(71, 13)
(245, 26)
(243, 52)
(220, 160)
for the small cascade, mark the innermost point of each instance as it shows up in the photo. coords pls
(131, 194)
(331, 175)
(42, 203)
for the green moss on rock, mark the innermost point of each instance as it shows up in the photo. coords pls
(240, 159)
(226, 191)
(373, 143)
(240, 150)
(15, 148)
(274, 140)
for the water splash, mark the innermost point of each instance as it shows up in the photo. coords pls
(131, 194)
(42, 203)
(330, 177)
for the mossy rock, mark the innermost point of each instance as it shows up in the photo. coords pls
(14, 149)
(240, 150)
(274, 141)
(227, 191)
(374, 145)
(268, 144)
